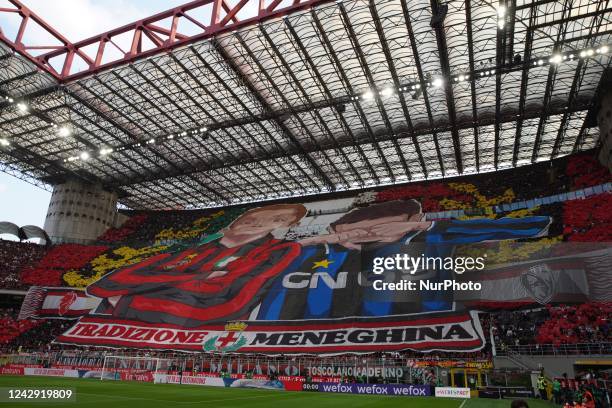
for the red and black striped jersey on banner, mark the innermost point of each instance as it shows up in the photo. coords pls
(208, 283)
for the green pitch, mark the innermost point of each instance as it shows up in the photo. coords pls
(106, 394)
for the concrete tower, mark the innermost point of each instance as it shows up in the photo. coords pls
(80, 212)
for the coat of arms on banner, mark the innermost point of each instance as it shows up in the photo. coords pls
(67, 300)
(540, 283)
(229, 341)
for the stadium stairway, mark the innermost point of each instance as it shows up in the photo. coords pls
(514, 361)
(553, 365)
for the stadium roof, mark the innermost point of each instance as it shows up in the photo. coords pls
(219, 102)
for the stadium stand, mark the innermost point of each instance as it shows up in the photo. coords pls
(225, 202)
(57, 261)
(32, 335)
(586, 219)
(11, 329)
(129, 227)
(581, 220)
(584, 323)
(15, 257)
(556, 325)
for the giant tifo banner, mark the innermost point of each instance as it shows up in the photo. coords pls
(326, 277)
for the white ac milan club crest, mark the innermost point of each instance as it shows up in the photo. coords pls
(226, 342)
(67, 300)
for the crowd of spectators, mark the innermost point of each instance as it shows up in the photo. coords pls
(14, 256)
(11, 328)
(522, 183)
(578, 220)
(585, 171)
(60, 259)
(28, 335)
(144, 226)
(588, 220)
(514, 328)
(556, 325)
(129, 227)
(571, 324)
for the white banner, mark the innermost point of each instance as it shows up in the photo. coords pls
(51, 372)
(188, 379)
(452, 392)
(448, 332)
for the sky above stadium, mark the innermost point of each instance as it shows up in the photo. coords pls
(21, 202)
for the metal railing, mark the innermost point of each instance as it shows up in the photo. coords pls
(95, 357)
(389, 370)
(603, 348)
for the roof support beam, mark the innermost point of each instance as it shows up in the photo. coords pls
(231, 91)
(421, 77)
(468, 21)
(127, 162)
(48, 166)
(163, 39)
(448, 88)
(509, 117)
(161, 112)
(379, 104)
(552, 72)
(185, 93)
(580, 70)
(137, 109)
(23, 174)
(348, 86)
(336, 111)
(606, 78)
(500, 60)
(18, 78)
(396, 82)
(43, 116)
(117, 126)
(305, 95)
(523, 92)
(255, 92)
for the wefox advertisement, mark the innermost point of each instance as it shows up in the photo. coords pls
(369, 389)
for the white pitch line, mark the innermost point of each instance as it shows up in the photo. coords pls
(463, 403)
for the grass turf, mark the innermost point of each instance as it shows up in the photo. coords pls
(106, 394)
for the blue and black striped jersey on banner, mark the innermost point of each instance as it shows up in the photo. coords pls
(357, 297)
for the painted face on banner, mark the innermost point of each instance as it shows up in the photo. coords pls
(383, 229)
(264, 221)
